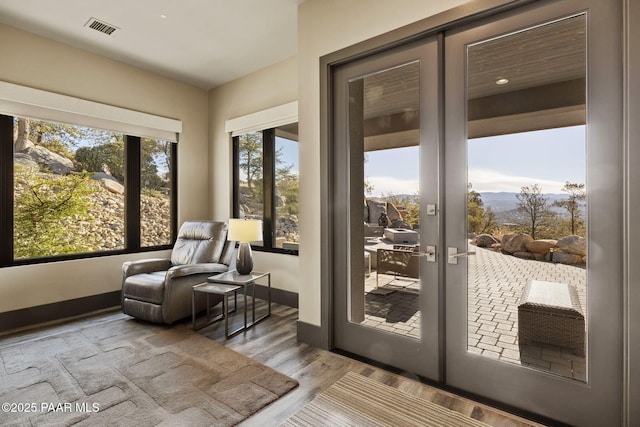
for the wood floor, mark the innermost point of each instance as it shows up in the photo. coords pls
(273, 342)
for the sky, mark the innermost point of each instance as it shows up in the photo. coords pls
(548, 158)
(288, 153)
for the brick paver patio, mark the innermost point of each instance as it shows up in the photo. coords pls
(496, 283)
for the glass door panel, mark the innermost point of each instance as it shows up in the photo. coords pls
(385, 165)
(387, 108)
(527, 217)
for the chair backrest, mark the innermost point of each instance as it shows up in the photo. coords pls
(199, 242)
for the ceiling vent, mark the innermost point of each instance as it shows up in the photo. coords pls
(101, 26)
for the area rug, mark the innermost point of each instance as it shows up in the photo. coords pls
(356, 400)
(126, 372)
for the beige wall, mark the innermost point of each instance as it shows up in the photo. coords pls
(325, 26)
(265, 88)
(33, 61)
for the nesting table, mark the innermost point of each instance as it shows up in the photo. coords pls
(226, 283)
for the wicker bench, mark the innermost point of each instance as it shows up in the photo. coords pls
(549, 313)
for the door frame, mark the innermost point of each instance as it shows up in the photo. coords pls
(322, 335)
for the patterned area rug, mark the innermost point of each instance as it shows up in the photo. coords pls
(126, 372)
(356, 400)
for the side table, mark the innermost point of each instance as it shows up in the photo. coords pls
(245, 280)
(217, 289)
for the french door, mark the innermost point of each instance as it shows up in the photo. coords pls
(477, 201)
(386, 301)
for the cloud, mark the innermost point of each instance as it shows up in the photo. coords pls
(387, 185)
(485, 180)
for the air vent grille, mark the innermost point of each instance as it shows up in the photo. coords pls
(101, 26)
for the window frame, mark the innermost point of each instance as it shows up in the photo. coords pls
(131, 197)
(269, 191)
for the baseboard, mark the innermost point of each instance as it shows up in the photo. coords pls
(58, 310)
(278, 296)
(24, 317)
(311, 334)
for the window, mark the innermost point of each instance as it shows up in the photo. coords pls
(74, 191)
(266, 185)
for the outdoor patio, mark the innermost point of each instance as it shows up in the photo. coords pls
(496, 283)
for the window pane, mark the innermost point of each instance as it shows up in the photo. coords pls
(286, 197)
(155, 197)
(69, 193)
(250, 191)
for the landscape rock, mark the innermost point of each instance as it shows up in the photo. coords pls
(376, 207)
(485, 241)
(564, 258)
(575, 245)
(58, 164)
(542, 246)
(524, 255)
(108, 182)
(512, 243)
(25, 160)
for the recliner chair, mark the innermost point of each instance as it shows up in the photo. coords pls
(159, 290)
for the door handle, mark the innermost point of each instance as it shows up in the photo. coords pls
(430, 253)
(453, 254)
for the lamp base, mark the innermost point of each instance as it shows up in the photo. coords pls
(244, 259)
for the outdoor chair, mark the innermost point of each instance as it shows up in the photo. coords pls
(399, 261)
(159, 290)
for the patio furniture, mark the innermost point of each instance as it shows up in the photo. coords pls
(399, 261)
(549, 313)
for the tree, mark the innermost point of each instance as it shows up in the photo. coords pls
(46, 206)
(535, 207)
(250, 157)
(577, 196)
(479, 219)
(107, 158)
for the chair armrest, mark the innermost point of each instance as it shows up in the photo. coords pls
(150, 265)
(190, 269)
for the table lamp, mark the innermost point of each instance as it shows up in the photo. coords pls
(244, 231)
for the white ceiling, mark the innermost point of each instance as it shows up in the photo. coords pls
(202, 42)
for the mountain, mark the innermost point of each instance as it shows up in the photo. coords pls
(504, 201)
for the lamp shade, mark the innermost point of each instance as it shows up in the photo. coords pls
(244, 230)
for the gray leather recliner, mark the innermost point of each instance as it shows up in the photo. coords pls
(159, 290)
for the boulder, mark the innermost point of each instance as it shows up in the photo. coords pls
(512, 243)
(564, 258)
(485, 241)
(58, 164)
(575, 245)
(376, 207)
(26, 161)
(393, 213)
(524, 255)
(542, 246)
(108, 182)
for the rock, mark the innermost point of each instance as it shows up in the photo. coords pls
(575, 245)
(26, 161)
(542, 246)
(564, 258)
(393, 213)
(538, 257)
(485, 241)
(376, 207)
(108, 182)
(524, 255)
(58, 164)
(512, 243)
(471, 236)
